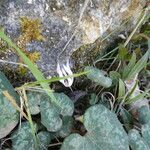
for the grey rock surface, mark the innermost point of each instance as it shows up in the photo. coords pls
(60, 20)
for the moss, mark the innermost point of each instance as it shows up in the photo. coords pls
(22, 70)
(3, 46)
(30, 30)
(34, 56)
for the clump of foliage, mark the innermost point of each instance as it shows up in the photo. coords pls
(116, 115)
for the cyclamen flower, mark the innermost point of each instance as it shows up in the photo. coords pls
(64, 70)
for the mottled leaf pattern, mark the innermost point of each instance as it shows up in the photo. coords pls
(66, 127)
(141, 141)
(50, 116)
(34, 99)
(50, 113)
(9, 116)
(104, 132)
(22, 139)
(98, 76)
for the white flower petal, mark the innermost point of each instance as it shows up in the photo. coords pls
(65, 71)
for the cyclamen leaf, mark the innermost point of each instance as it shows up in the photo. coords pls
(136, 142)
(22, 138)
(34, 99)
(94, 99)
(66, 127)
(144, 114)
(98, 76)
(44, 138)
(104, 132)
(50, 116)
(9, 116)
(66, 103)
(141, 141)
(50, 113)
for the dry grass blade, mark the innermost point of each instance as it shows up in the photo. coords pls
(14, 104)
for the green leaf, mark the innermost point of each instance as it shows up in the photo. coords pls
(136, 141)
(141, 141)
(104, 132)
(129, 67)
(131, 93)
(34, 99)
(137, 97)
(66, 127)
(115, 76)
(44, 138)
(139, 66)
(50, 116)
(144, 114)
(93, 99)
(53, 79)
(127, 119)
(50, 113)
(123, 53)
(122, 89)
(9, 116)
(98, 76)
(22, 139)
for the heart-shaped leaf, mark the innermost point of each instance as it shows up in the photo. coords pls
(9, 116)
(50, 113)
(22, 139)
(34, 99)
(50, 116)
(104, 132)
(98, 76)
(94, 99)
(141, 141)
(144, 114)
(66, 127)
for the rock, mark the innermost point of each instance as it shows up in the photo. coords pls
(42, 28)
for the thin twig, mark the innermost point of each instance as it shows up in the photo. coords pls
(55, 144)
(13, 63)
